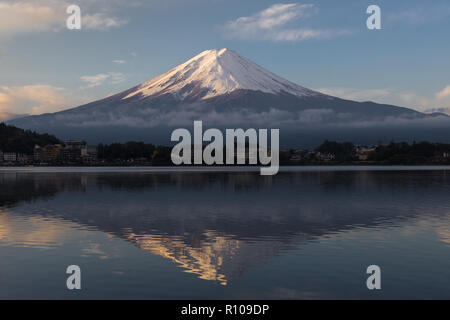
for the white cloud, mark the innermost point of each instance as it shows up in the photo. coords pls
(50, 15)
(356, 94)
(420, 14)
(270, 24)
(444, 93)
(445, 110)
(101, 78)
(100, 21)
(24, 16)
(305, 34)
(119, 61)
(440, 102)
(32, 99)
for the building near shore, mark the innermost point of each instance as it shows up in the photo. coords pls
(37, 154)
(325, 156)
(91, 156)
(363, 153)
(51, 153)
(298, 154)
(74, 152)
(70, 152)
(9, 157)
(21, 158)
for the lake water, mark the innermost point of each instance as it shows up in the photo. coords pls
(149, 233)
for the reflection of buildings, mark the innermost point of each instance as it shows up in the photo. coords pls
(218, 226)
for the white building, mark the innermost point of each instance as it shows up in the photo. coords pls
(10, 157)
(363, 153)
(20, 158)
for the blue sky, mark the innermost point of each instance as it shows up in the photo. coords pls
(322, 45)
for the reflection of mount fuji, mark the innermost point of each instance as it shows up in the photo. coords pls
(218, 226)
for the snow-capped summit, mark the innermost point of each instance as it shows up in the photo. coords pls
(217, 72)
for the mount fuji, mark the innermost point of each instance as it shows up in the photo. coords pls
(225, 90)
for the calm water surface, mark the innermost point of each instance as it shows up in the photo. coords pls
(307, 233)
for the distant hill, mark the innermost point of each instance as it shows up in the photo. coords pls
(13, 139)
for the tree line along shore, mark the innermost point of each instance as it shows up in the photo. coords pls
(25, 147)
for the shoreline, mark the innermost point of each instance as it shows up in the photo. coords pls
(223, 169)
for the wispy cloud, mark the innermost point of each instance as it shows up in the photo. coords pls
(357, 94)
(102, 78)
(119, 61)
(444, 93)
(439, 102)
(419, 15)
(101, 21)
(442, 101)
(271, 24)
(32, 99)
(440, 110)
(27, 16)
